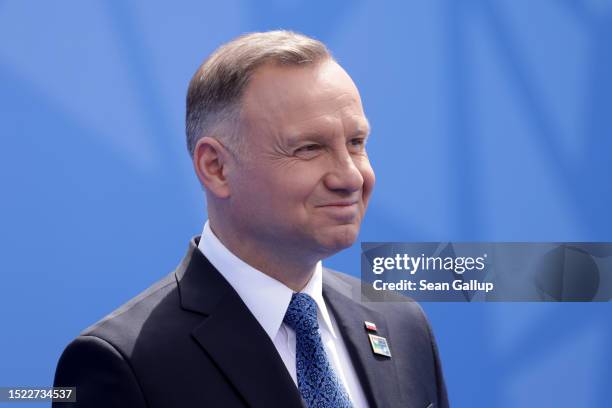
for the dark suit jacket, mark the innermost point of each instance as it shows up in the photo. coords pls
(190, 341)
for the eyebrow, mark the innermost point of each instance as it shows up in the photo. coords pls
(361, 129)
(364, 130)
(368, 127)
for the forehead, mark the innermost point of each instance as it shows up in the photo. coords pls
(298, 98)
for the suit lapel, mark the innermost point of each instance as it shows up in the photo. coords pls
(232, 337)
(377, 374)
(244, 352)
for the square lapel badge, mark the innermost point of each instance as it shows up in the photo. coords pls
(379, 345)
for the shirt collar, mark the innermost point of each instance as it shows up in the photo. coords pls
(266, 298)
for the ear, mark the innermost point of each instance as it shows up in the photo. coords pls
(210, 161)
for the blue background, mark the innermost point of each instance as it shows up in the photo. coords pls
(491, 122)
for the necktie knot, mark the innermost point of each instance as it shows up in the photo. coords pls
(301, 314)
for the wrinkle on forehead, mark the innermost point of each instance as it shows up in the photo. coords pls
(292, 100)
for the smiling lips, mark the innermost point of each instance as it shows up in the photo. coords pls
(341, 210)
(340, 204)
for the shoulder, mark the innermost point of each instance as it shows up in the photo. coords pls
(100, 361)
(127, 321)
(151, 323)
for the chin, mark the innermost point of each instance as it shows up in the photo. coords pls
(340, 238)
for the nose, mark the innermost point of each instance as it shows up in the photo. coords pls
(344, 175)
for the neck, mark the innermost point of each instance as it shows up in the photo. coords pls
(281, 264)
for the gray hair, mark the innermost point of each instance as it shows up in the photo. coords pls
(216, 89)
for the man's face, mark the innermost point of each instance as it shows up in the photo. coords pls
(304, 180)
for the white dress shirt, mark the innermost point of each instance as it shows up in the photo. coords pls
(268, 300)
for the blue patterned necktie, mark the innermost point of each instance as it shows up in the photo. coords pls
(318, 383)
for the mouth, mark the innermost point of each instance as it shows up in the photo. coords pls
(340, 204)
(341, 211)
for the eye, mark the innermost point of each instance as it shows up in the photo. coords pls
(309, 150)
(357, 144)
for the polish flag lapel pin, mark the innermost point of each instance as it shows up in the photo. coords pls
(370, 326)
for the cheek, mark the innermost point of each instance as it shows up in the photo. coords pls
(289, 187)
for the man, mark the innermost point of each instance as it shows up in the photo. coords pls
(277, 134)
